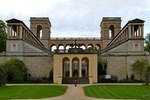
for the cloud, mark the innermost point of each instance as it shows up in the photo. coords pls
(76, 17)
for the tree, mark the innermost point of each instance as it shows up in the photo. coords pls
(139, 66)
(3, 36)
(147, 42)
(15, 69)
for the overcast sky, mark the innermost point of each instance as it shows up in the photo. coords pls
(76, 18)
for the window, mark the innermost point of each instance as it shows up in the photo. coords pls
(39, 31)
(111, 32)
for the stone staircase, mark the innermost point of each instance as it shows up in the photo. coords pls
(83, 80)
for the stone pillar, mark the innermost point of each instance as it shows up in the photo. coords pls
(20, 32)
(133, 30)
(139, 31)
(142, 30)
(9, 31)
(130, 32)
(11, 34)
(17, 31)
(70, 72)
(80, 68)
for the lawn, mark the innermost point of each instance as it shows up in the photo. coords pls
(31, 91)
(117, 91)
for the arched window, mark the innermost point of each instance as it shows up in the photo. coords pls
(90, 46)
(53, 47)
(61, 47)
(66, 65)
(83, 46)
(111, 32)
(68, 46)
(39, 31)
(98, 47)
(85, 65)
(75, 67)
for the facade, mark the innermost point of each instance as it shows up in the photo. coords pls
(119, 47)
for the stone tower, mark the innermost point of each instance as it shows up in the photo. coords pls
(41, 27)
(110, 26)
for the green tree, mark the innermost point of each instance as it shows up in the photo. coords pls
(139, 66)
(15, 69)
(147, 42)
(3, 36)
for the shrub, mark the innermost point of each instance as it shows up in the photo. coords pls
(131, 81)
(15, 69)
(3, 75)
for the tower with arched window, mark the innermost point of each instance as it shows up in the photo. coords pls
(41, 27)
(110, 26)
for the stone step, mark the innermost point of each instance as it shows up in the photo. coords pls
(78, 80)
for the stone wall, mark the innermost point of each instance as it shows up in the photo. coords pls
(129, 47)
(21, 47)
(120, 66)
(38, 66)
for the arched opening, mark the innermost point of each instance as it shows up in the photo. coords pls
(90, 47)
(66, 65)
(60, 47)
(97, 47)
(83, 46)
(14, 30)
(75, 67)
(39, 31)
(53, 47)
(68, 46)
(85, 66)
(111, 32)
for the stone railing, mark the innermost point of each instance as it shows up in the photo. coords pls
(18, 30)
(77, 38)
(132, 30)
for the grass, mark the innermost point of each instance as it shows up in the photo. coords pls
(31, 91)
(117, 91)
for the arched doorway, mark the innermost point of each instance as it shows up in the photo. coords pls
(85, 66)
(66, 65)
(75, 67)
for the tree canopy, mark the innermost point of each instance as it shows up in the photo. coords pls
(3, 36)
(15, 69)
(139, 66)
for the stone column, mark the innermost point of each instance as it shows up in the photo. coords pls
(80, 68)
(17, 31)
(11, 34)
(142, 30)
(70, 69)
(130, 32)
(20, 32)
(9, 31)
(133, 30)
